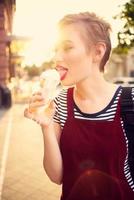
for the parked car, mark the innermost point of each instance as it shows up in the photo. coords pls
(124, 81)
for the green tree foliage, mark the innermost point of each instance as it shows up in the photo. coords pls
(47, 65)
(36, 71)
(32, 71)
(126, 35)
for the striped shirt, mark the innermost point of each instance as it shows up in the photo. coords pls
(108, 114)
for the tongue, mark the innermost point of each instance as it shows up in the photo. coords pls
(62, 73)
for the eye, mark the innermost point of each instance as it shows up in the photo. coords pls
(67, 48)
(62, 47)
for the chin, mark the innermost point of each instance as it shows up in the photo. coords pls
(67, 84)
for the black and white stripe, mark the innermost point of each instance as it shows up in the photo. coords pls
(107, 114)
(61, 109)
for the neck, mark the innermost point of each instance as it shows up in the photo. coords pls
(92, 87)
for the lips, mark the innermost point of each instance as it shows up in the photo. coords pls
(62, 71)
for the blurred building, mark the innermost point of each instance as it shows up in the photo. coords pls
(120, 65)
(130, 62)
(7, 9)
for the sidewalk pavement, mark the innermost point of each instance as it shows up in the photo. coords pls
(21, 159)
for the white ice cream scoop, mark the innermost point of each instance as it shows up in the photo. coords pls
(49, 80)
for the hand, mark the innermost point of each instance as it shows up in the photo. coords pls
(39, 111)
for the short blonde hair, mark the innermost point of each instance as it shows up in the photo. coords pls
(96, 29)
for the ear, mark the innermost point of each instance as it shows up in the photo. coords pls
(99, 51)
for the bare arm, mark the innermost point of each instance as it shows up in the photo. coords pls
(51, 136)
(52, 156)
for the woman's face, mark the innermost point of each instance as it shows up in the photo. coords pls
(72, 59)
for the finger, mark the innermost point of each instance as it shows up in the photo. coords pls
(52, 105)
(27, 113)
(36, 98)
(36, 104)
(37, 93)
(38, 121)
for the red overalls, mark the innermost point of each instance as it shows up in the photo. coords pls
(93, 154)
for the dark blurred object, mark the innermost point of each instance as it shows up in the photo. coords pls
(124, 81)
(132, 73)
(0, 98)
(5, 97)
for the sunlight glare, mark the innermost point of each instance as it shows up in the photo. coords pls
(39, 20)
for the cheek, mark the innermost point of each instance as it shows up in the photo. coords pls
(78, 63)
(76, 59)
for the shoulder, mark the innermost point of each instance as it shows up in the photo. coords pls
(61, 107)
(117, 93)
(62, 97)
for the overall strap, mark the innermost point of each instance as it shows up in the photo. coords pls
(127, 106)
(70, 103)
(127, 113)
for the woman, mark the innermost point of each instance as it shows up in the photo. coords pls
(85, 148)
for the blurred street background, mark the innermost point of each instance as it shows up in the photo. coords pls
(27, 34)
(21, 159)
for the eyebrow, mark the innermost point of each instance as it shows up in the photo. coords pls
(63, 43)
(67, 41)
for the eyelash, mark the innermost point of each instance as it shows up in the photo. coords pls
(67, 48)
(63, 48)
